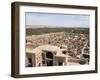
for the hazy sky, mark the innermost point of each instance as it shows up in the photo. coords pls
(52, 19)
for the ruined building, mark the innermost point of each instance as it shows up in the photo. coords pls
(46, 55)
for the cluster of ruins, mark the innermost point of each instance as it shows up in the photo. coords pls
(56, 49)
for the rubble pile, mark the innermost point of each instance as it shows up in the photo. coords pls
(75, 42)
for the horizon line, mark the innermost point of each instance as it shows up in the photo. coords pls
(48, 26)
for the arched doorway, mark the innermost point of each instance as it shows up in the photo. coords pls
(49, 55)
(49, 58)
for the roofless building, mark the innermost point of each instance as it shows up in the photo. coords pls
(46, 55)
